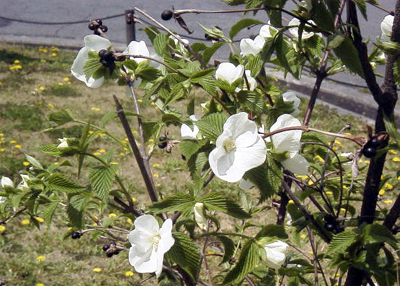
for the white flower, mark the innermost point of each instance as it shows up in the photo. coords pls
(199, 215)
(6, 183)
(291, 96)
(386, 27)
(289, 142)
(149, 244)
(23, 185)
(137, 49)
(228, 72)
(253, 47)
(276, 253)
(238, 149)
(187, 132)
(295, 30)
(63, 143)
(265, 31)
(250, 80)
(92, 43)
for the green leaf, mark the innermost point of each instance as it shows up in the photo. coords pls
(210, 51)
(241, 24)
(57, 182)
(61, 117)
(229, 248)
(160, 44)
(196, 77)
(248, 260)
(234, 2)
(251, 101)
(215, 201)
(211, 126)
(190, 147)
(323, 17)
(209, 85)
(335, 41)
(178, 202)
(49, 211)
(376, 233)
(348, 54)
(101, 179)
(184, 252)
(267, 178)
(273, 230)
(50, 149)
(35, 163)
(255, 64)
(362, 6)
(93, 65)
(149, 73)
(341, 241)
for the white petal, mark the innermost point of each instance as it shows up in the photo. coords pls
(228, 72)
(276, 253)
(295, 30)
(298, 165)
(199, 216)
(291, 96)
(147, 224)
(286, 141)
(240, 123)
(386, 25)
(96, 43)
(137, 48)
(145, 263)
(6, 182)
(250, 157)
(265, 31)
(251, 80)
(188, 133)
(245, 184)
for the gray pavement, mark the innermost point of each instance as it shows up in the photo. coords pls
(344, 91)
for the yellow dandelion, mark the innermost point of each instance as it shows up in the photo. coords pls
(25, 221)
(338, 143)
(102, 151)
(134, 200)
(396, 159)
(26, 163)
(134, 131)
(319, 158)
(303, 236)
(129, 273)
(290, 202)
(112, 215)
(151, 140)
(139, 100)
(56, 163)
(43, 61)
(158, 185)
(152, 103)
(97, 270)
(126, 139)
(125, 149)
(16, 62)
(122, 154)
(156, 165)
(347, 133)
(40, 258)
(39, 219)
(53, 54)
(335, 148)
(66, 79)
(13, 141)
(388, 186)
(329, 193)
(1, 134)
(367, 162)
(60, 83)
(45, 50)
(394, 152)
(2, 149)
(42, 88)
(95, 108)
(128, 220)
(302, 177)
(97, 153)
(1, 83)
(102, 134)
(50, 105)
(156, 175)
(388, 202)
(2, 228)
(382, 192)
(345, 187)
(342, 209)
(39, 284)
(95, 224)
(114, 163)
(18, 146)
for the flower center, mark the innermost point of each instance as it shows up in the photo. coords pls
(229, 145)
(156, 239)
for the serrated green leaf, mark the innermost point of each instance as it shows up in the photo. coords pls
(322, 16)
(248, 260)
(199, 75)
(75, 217)
(210, 51)
(101, 178)
(267, 177)
(229, 248)
(348, 54)
(241, 24)
(49, 211)
(234, 2)
(149, 73)
(184, 252)
(255, 64)
(376, 233)
(160, 44)
(273, 230)
(335, 40)
(362, 6)
(209, 85)
(178, 202)
(251, 101)
(190, 147)
(341, 241)
(217, 202)
(61, 117)
(93, 66)
(57, 182)
(50, 149)
(197, 163)
(211, 126)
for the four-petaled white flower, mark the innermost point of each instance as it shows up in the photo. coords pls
(189, 133)
(295, 30)
(92, 43)
(252, 47)
(63, 143)
(137, 49)
(238, 149)
(276, 253)
(291, 96)
(199, 215)
(386, 28)
(228, 72)
(149, 244)
(287, 143)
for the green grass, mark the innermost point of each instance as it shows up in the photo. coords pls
(44, 84)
